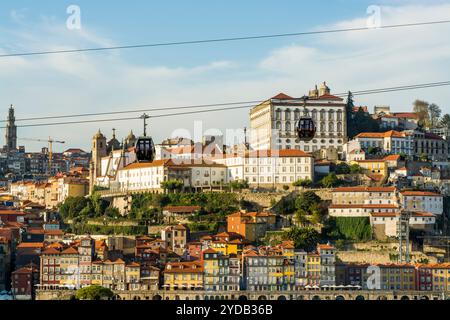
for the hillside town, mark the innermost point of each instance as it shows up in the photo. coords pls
(271, 217)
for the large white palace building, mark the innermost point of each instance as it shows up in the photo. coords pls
(273, 122)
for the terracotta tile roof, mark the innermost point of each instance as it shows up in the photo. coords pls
(26, 270)
(325, 247)
(329, 97)
(420, 194)
(393, 157)
(31, 245)
(209, 251)
(389, 134)
(184, 267)
(384, 214)
(363, 206)
(134, 265)
(407, 115)
(70, 250)
(50, 251)
(54, 232)
(365, 189)
(12, 212)
(423, 214)
(277, 153)
(282, 96)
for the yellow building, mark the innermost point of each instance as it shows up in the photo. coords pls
(398, 277)
(313, 268)
(228, 243)
(133, 276)
(97, 273)
(377, 167)
(440, 275)
(183, 275)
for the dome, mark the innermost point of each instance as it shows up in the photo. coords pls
(99, 135)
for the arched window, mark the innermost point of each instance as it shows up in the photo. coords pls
(296, 114)
(278, 125)
(322, 127)
(331, 127)
(339, 126)
(314, 114)
(288, 126)
(322, 115)
(278, 114)
(288, 114)
(331, 115)
(339, 115)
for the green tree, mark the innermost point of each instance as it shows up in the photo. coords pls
(94, 293)
(424, 157)
(239, 185)
(306, 239)
(374, 150)
(331, 181)
(421, 108)
(434, 112)
(301, 217)
(303, 183)
(342, 168)
(445, 121)
(72, 207)
(286, 188)
(306, 200)
(355, 169)
(172, 185)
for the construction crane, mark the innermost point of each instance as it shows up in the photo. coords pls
(50, 142)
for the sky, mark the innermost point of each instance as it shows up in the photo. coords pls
(209, 73)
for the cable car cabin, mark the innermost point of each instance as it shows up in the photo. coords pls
(145, 149)
(306, 129)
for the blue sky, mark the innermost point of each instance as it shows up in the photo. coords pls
(199, 74)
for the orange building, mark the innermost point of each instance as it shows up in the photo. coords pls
(252, 225)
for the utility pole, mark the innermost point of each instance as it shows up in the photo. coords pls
(145, 117)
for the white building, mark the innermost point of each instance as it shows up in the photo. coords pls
(269, 169)
(149, 176)
(423, 201)
(386, 223)
(273, 123)
(360, 210)
(391, 142)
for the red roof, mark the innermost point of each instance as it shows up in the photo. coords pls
(393, 157)
(365, 189)
(282, 96)
(12, 212)
(420, 194)
(389, 134)
(32, 245)
(70, 250)
(330, 97)
(407, 115)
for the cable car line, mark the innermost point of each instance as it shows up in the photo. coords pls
(218, 40)
(252, 103)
